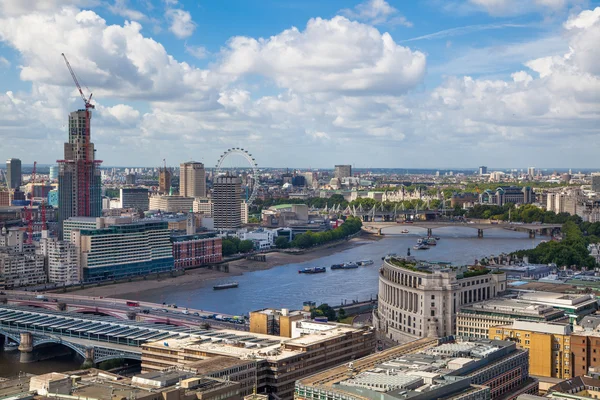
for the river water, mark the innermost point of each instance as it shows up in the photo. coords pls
(283, 287)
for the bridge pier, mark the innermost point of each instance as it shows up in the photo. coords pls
(480, 233)
(429, 232)
(26, 348)
(89, 358)
(531, 234)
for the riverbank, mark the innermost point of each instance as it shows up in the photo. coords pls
(196, 277)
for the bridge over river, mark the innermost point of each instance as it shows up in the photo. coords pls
(480, 225)
(96, 338)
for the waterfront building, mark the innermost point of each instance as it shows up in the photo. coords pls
(227, 202)
(342, 171)
(62, 260)
(125, 249)
(279, 361)
(284, 215)
(21, 266)
(423, 370)
(196, 250)
(461, 199)
(548, 343)
(192, 179)
(475, 320)
(263, 238)
(419, 300)
(79, 180)
(76, 223)
(135, 198)
(171, 204)
(204, 206)
(13, 173)
(508, 194)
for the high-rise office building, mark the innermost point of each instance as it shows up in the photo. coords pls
(483, 170)
(164, 180)
(136, 198)
(192, 179)
(79, 181)
(343, 171)
(227, 202)
(53, 174)
(531, 172)
(13, 173)
(596, 183)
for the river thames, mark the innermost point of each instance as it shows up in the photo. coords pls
(283, 287)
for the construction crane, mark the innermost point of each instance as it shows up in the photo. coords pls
(84, 178)
(29, 210)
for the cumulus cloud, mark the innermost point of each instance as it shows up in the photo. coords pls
(329, 55)
(199, 52)
(4, 63)
(19, 7)
(181, 24)
(120, 8)
(376, 12)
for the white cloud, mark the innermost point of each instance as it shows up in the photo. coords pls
(120, 8)
(181, 24)
(329, 55)
(199, 52)
(376, 12)
(20, 7)
(516, 7)
(4, 63)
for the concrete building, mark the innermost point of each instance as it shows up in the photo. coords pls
(276, 322)
(342, 171)
(227, 202)
(21, 266)
(50, 384)
(508, 194)
(273, 363)
(130, 179)
(263, 238)
(548, 343)
(79, 180)
(192, 179)
(482, 170)
(136, 198)
(53, 172)
(244, 212)
(164, 180)
(13, 173)
(76, 223)
(531, 172)
(475, 320)
(4, 198)
(196, 250)
(575, 306)
(461, 199)
(284, 215)
(419, 300)
(171, 204)
(125, 249)
(62, 260)
(484, 369)
(203, 206)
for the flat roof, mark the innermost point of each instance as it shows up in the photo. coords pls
(218, 363)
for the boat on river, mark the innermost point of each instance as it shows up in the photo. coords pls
(348, 265)
(313, 270)
(364, 263)
(230, 285)
(11, 346)
(404, 231)
(421, 246)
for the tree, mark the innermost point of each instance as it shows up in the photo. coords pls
(341, 314)
(228, 247)
(324, 310)
(246, 246)
(282, 242)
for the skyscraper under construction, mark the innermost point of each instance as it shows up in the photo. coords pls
(79, 182)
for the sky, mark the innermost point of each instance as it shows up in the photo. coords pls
(306, 83)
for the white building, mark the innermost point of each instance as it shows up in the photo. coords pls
(244, 212)
(264, 238)
(419, 300)
(204, 206)
(62, 260)
(171, 204)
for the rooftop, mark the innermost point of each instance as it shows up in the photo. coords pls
(511, 306)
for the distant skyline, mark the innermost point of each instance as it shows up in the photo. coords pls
(373, 83)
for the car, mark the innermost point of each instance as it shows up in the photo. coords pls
(154, 309)
(196, 314)
(164, 310)
(186, 312)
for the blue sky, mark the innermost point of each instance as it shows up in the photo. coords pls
(430, 83)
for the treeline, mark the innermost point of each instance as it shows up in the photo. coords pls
(572, 250)
(527, 213)
(233, 245)
(305, 240)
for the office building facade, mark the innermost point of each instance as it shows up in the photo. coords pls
(508, 194)
(419, 300)
(123, 250)
(192, 179)
(596, 183)
(13, 173)
(62, 260)
(227, 202)
(21, 267)
(79, 180)
(171, 204)
(136, 198)
(482, 170)
(342, 171)
(196, 250)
